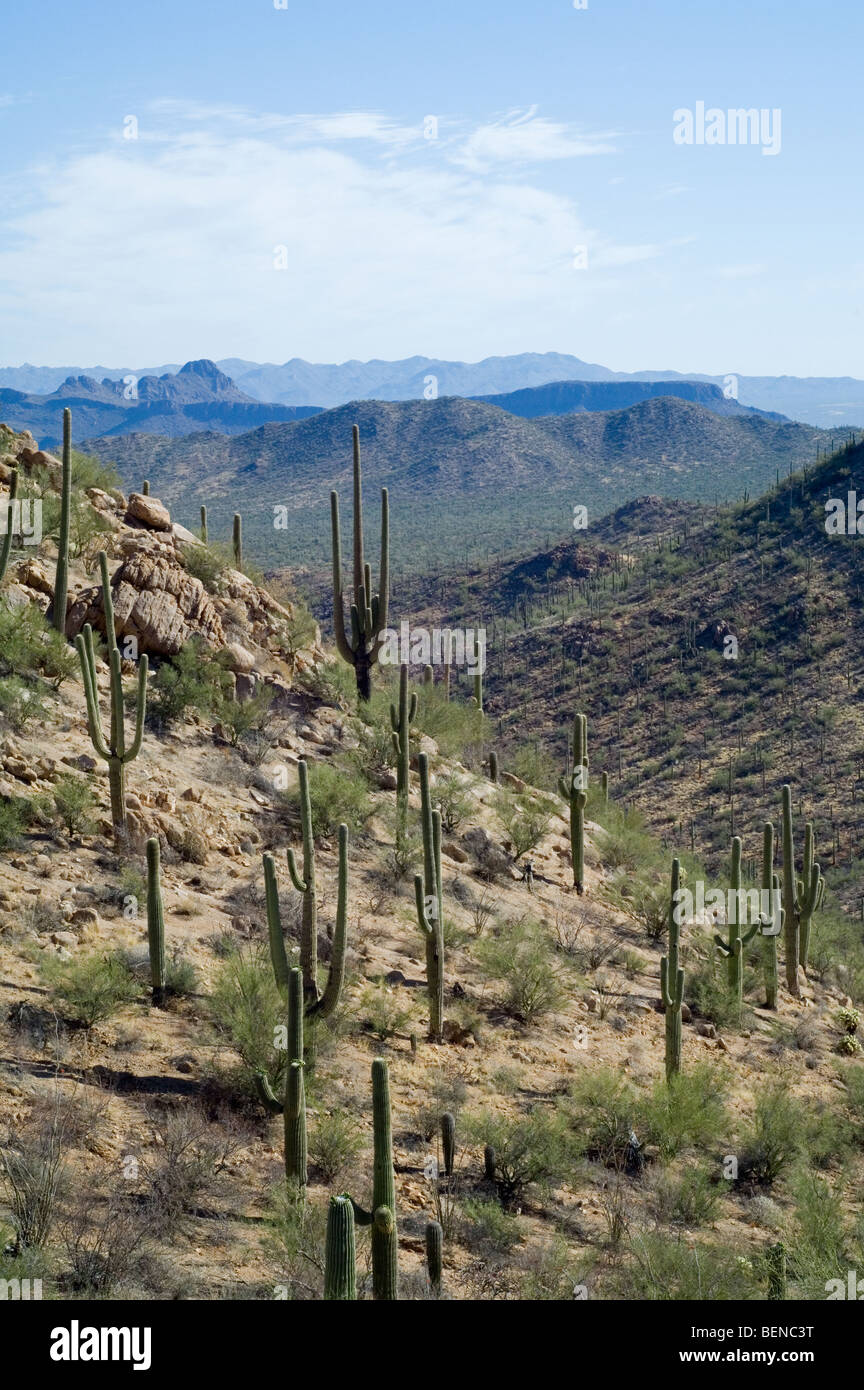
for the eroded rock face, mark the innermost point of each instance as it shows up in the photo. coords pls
(155, 601)
(147, 511)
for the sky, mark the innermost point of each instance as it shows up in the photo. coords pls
(269, 179)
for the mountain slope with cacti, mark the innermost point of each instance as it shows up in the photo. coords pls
(321, 896)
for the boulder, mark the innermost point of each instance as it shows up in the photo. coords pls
(155, 601)
(147, 511)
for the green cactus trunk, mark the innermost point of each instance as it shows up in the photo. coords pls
(238, 541)
(306, 886)
(490, 1163)
(576, 793)
(145, 488)
(448, 1142)
(769, 882)
(434, 1255)
(777, 1288)
(801, 898)
(155, 923)
(293, 1107)
(368, 611)
(382, 1217)
(113, 751)
(204, 525)
(672, 981)
(61, 577)
(810, 896)
(429, 902)
(400, 723)
(340, 1259)
(493, 766)
(6, 543)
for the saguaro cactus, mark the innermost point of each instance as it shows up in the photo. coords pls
(204, 524)
(382, 1217)
(155, 923)
(434, 1254)
(576, 793)
(400, 723)
(6, 543)
(733, 949)
(429, 899)
(316, 1003)
(800, 898)
(113, 751)
(776, 1259)
(293, 1107)
(340, 1259)
(772, 921)
(448, 1142)
(493, 766)
(61, 576)
(672, 981)
(478, 676)
(145, 488)
(238, 541)
(810, 899)
(368, 611)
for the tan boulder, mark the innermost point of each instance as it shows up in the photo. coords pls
(155, 601)
(147, 511)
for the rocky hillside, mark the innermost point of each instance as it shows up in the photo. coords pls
(160, 1172)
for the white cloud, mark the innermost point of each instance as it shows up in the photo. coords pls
(525, 138)
(164, 246)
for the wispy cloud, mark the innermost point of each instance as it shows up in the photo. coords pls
(526, 138)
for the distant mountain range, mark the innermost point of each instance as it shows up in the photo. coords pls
(569, 397)
(823, 401)
(197, 397)
(463, 474)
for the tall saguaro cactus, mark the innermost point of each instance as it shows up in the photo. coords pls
(429, 899)
(672, 981)
(204, 525)
(340, 1259)
(316, 1003)
(112, 750)
(772, 921)
(368, 611)
(238, 541)
(155, 923)
(576, 793)
(293, 1107)
(733, 949)
(382, 1217)
(61, 577)
(6, 543)
(400, 723)
(800, 897)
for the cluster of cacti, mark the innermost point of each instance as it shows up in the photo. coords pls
(293, 1106)
(368, 611)
(400, 723)
(382, 1217)
(672, 980)
(801, 897)
(155, 923)
(6, 543)
(576, 793)
(733, 948)
(112, 750)
(316, 1003)
(429, 900)
(61, 575)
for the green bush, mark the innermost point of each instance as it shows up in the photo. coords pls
(75, 803)
(602, 1108)
(488, 1226)
(14, 819)
(670, 1269)
(688, 1112)
(241, 718)
(525, 822)
(382, 1013)
(521, 958)
(336, 796)
(206, 563)
(691, 1199)
(89, 989)
(534, 1147)
(247, 1007)
(776, 1136)
(191, 680)
(334, 1141)
(453, 800)
(20, 703)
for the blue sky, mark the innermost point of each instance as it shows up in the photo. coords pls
(281, 198)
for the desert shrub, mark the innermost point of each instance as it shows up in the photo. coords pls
(295, 1242)
(406, 852)
(663, 1268)
(186, 1162)
(525, 822)
(382, 1013)
(532, 763)
(447, 1092)
(690, 1199)
(205, 563)
(89, 989)
(817, 1248)
(602, 1108)
(451, 797)
(247, 1007)
(336, 796)
(20, 703)
(626, 844)
(457, 727)
(191, 680)
(29, 645)
(243, 718)
(520, 957)
(181, 977)
(104, 1235)
(193, 846)
(334, 1142)
(534, 1147)
(707, 992)
(32, 1174)
(488, 1227)
(650, 907)
(775, 1136)
(75, 803)
(689, 1112)
(14, 819)
(549, 1272)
